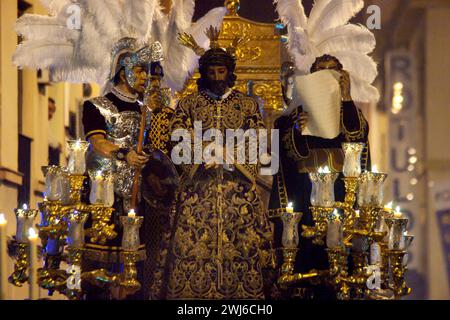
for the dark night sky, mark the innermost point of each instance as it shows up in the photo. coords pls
(256, 10)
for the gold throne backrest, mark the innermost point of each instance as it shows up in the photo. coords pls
(258, 61)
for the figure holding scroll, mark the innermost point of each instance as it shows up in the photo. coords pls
(302, 153)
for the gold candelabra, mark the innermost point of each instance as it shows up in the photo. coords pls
(366, 241)
(62, 233)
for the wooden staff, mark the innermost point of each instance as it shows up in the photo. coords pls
(137, 172)
(155, 85)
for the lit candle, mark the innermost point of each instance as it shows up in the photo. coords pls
(388, 207)
(397, 213)
(325, 187)
(130, 236)
(334, 231)
(65, 182)
(314, 197)
(290, 237)
(290, 208)
(397, 229)
(109, 189)
(375, 254)
(77, 159)
(131, 214)
(75, 234)
(33, 265)
(97, 195)
(3, 257)
(352, 160)
(53, 182)
(25, 219)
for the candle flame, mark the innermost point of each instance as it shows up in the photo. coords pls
(335, 213)
(131, 213)
(25, 206)
(2, 219)
(290, 205)
(374, 168)
(357, 213)
(397, 209)
(320, 170)
(56, 221)
(99, 174)
(326, 170)
(389, 205)
(32, 233)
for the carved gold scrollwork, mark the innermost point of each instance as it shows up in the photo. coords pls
(232, 29)
(248, 53)
(270, 93)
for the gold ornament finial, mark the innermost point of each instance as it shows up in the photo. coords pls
(188, 40)
(232, 7)
(213, 34)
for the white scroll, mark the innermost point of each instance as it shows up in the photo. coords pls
(320, 95)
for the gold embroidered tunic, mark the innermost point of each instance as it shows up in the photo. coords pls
(218, 245)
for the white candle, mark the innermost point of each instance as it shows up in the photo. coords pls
(77, 161)
(25, 219)
(325, 187)
(109, 189)
(33, 265)
(97, 195)
(290, 208)
(131, 214)
(352, 160)
(334, 231)
(3, 257)
(375, 254)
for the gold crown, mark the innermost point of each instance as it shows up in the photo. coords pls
(212, 33)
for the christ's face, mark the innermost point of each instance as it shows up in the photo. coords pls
(217, 79)
(217, 73)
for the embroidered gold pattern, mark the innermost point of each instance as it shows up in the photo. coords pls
(220, 242)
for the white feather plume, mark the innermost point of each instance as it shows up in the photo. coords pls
(362, 91)
(328, 32)
(84, 55)
(285, 8)
(358, 64)
(175, 65)
(38, 27)
(316, 11)
(138, 15)
(296, 23)
(334, 14)
(350, 36)
(43, 53)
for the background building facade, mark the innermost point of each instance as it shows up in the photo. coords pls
(408, 139)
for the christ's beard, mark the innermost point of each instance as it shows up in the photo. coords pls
(218, 87)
